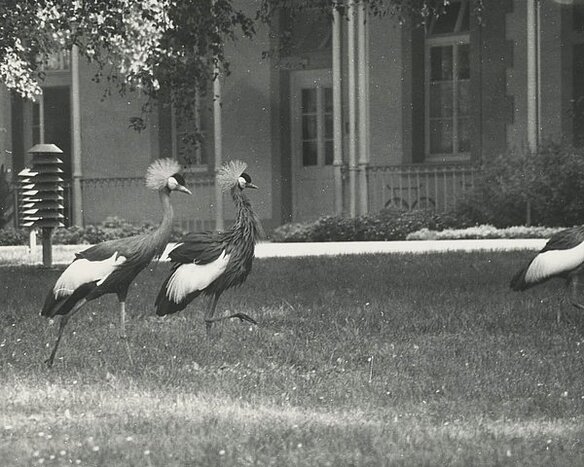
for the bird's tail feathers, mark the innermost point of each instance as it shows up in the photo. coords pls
(61, 306)
(518, 282)
(165, 305)
(52, 305)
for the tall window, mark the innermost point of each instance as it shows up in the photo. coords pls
(447, 78)
(189, 139)
(189, 148)
(577, 73)
(317, 126)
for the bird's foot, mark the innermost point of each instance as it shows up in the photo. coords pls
(243, 317)
(49, 362)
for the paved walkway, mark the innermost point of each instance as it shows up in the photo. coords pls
(64, 254)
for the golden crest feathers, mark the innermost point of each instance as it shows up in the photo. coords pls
(159, 171)
(229, 173)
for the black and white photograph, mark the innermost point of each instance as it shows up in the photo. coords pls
(291, 233)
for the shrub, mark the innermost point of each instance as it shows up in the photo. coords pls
(388, 224)
(551, 181)
(10, 237)
(111, 228)
(292, 232)
(484, 231)
(69, 236)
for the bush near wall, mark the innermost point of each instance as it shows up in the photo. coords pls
(110, 229)
(12, 237)
(388, 224)
(549, 184)
(401, 228)
(484, 232)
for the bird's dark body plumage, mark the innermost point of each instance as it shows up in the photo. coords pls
(138, 252)
(111, 266)
(565, 239)
(551, 265)
(235, 246)
(561, 257)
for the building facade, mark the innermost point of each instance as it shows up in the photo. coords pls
(334, 114)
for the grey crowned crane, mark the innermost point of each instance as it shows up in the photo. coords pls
(210, 262)
(563, 257)
(111, 266)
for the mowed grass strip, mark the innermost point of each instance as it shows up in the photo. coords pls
(357, 360)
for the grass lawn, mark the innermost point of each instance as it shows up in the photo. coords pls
(357, 360)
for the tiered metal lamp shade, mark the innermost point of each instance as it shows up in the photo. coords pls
(41, 189)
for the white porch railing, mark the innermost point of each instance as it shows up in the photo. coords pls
(130, 199)
(418, 186)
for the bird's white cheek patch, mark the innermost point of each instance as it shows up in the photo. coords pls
(550, 263)
(191, 277)
(83, 271)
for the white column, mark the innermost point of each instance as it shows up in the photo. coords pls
(337, 110)
(532, 76)
(363, 67)
(76, 165)
(219, 225)
(352, 109)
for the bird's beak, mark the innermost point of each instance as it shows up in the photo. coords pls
(184, 189)
(251, 185)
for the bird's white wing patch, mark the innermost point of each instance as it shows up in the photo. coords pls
(82, 271)
(191, 277)
(170, 247)
(554, 262)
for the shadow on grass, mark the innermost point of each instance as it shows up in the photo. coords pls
(415, 359)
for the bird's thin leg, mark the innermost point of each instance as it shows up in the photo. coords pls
(209, 320)
(122, 293)
(210, 312)
(123, 334)
(64, 320)
(574, 282)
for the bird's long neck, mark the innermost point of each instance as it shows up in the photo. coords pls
(246, 222)
(161, 235)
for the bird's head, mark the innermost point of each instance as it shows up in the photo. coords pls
(163, 174)
(232, 176)
(244, 181)
(176, 182)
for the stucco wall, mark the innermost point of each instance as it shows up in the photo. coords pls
(5, 130)
(385, 91)
(111, 149)
(247, 113)
(550, 72)
(551, 69)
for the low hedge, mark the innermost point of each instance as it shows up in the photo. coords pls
(11, 237)
(388, 224)
(110, 229)
(392, 224)
(484, 232)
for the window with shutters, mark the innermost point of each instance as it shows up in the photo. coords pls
(191, 137)
(577, 39)
(188, 138)
(317, 126)
(448, 84)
